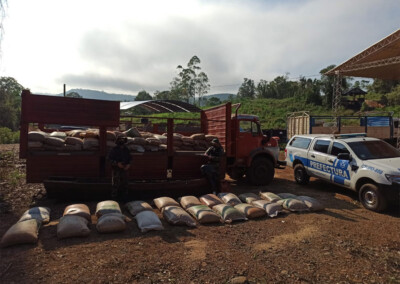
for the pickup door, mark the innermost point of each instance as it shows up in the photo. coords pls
(318, 164)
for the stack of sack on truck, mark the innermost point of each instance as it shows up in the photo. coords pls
(88, 140)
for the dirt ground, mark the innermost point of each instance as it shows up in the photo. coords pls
(343, 244)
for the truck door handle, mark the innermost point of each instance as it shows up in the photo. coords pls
(330, 160)
(312, 156)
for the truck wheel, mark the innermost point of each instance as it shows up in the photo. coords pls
(300, 174)
(261, 171)
(371, 198)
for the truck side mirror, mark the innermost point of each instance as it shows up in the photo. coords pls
(344, 156)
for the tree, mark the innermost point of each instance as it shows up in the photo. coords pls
(247, 89)
(74, 95)
(213, 101)
(262, 89)
(10, 102)
(143, 96)
(383, 86)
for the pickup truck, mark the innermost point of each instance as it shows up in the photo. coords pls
(366, 165)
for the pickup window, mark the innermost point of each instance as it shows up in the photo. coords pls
(300, 142)
(322, 146)
(368, 150)
(338, 148)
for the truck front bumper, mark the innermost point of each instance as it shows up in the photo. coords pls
(391, 193)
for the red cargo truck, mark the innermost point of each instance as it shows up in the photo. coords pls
(248, 151)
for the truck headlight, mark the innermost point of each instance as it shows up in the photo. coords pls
(393, 178)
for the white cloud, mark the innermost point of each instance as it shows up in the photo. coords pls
(126, 46)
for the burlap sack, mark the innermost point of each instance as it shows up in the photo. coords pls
(58, 134)
(286, 195)
(175, 215)
(260, 203)
(294, 205)
(269, 196)
(25, 232)
(106, 207)
(250, 211)
(229, 198)
(210, 200)
(35, 144)
(163, 139)
(228, 213)
(209, 138)
(273, 209)
(136, 148)
(312, 203)
(153, 141)
(111, 136)
(198, 136)
(188, 140)
(203, 214)
(137, 141)
(37, 136)
(249, 197)
(73, 141)
(90, 143)
(147, 221)
(132, 132)
(202, 143)
(150, 148)
(92, 133)
(111, 223)
(146, 135)
(78, 210)
(189, 201)
(54, 141)
(72, 226)
(162, 147)
(75, 133)
(40, 214)
(135, 207)
(165, 201)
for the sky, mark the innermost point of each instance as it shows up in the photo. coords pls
(128, 46)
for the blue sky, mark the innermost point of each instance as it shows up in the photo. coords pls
(128, 46)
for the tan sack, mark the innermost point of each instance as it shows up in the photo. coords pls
(203, 214)
(229, 213)
(287, 195)
(189, 201)
(54, 141)
(58, 134)
(210, 200)
(249, 197)
(273, 209)
(75, 133)
(72, 226)
(163, 139)
(90, 143)
(25, 232)
(260, 203)
(269, 196)
(92, 133)
(175, 215)
(135, 207)
(294, 205)
(312, 203)
(147, 221)
(40, 214)
(106, 207)
(78, 210)
(111, 223)
(250, 211)
(37, 136)
(73, 141)
(165, 201)
(229, 198)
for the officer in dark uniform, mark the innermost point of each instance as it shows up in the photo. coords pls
(120, 158)
(211, 169)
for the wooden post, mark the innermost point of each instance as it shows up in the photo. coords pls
(24, 125)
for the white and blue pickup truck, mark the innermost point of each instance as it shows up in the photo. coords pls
(366, 165)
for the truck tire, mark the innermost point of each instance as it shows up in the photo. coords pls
(371, 198)
(261, 171)
(300, 174)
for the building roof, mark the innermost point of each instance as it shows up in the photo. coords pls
(161, 106)
(354, 91)
(379, 61)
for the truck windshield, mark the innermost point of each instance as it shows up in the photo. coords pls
(368, 150)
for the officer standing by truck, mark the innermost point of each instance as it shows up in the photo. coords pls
(211, 169)
(120, 158)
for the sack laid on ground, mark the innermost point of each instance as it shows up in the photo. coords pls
(147, 221)
(260, 203)
(54, 141)
(165, 201)
(312, 203)
(37, 136)
(135, 207)
(269, 196)
(40, 214)
(73, 141)
(106, 207)
(78, 210)
(58, 134)
(273, 209)
(286, 195)
(294, 205)
(189, 201)
(90, 143)
(111, 223)
(210, 200)
(175, 215)
(250, 211)
(132, 132)
(25, 232)
(249, 197)
(229, 198)
(203, 214)
(228, 213)
(72, 226)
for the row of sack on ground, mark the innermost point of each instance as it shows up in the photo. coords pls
(209, 208)
(77, 140)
